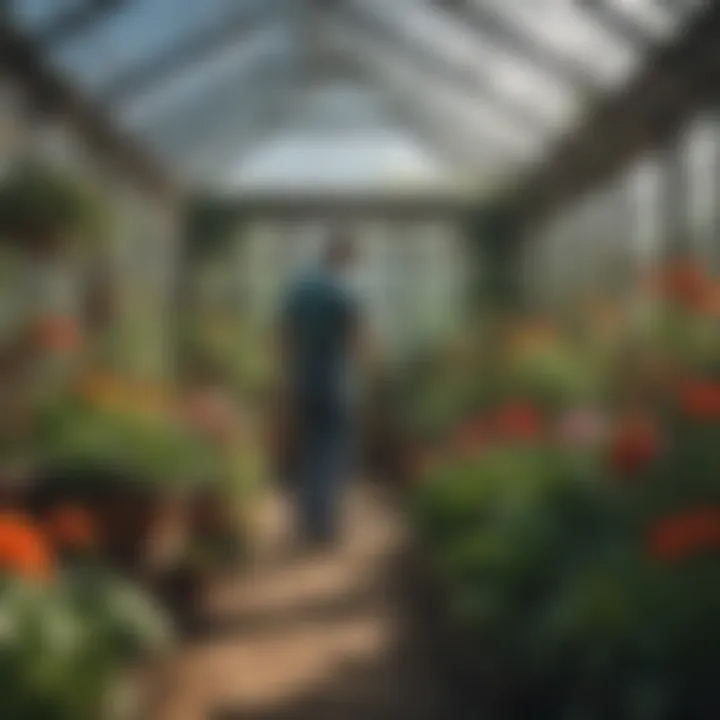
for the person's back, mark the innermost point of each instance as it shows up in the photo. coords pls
(319, 324)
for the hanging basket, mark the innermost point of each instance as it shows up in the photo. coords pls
(43, 209)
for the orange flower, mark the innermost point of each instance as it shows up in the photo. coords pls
(634, 447)
(680, 536)
(58, 334)
(700, 399)
(23, 549)
(71, 527)
(519, 422)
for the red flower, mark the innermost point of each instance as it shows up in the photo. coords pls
(58, 334)
(680, 536)
(684, 282)
(71, 527)
(634, 447)
(518, 422)
(700, 399)
(23, 549)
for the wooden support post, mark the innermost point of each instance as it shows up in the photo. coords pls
(496, 236)
(674, 206)
(714, 231)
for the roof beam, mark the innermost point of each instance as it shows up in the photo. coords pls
(133, 82)
(22, 60)
(402, 76)
(677, 80)
(462, 77)
(465, 147)
(491, 25)
(71, 23)
(617, 23)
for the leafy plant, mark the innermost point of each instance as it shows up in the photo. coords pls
(37, 202)
(64, 646)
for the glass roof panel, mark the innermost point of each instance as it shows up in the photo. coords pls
(455, 112)
(572, 32)
(486, 93)
(303, 162)
(139, 30)
(254, 59)
(497, 65)
(37, 15)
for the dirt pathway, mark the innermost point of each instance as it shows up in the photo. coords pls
(300, 638)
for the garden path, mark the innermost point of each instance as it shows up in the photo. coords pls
(327, 637)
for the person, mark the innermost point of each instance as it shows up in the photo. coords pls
(319, 340)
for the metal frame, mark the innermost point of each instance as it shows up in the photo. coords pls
(618, 24)
(677, 80)
(321, 205)
(266, 116)
(464, 78)
(496, 29)
(21, 59)
(675, 198)
(420, 115)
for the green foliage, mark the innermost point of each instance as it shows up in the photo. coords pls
(211, 226)
(557, 377)
(549, 570)
(154, 450)
(63, 647)
(38, 201)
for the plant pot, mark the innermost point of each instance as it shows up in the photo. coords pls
(127, 518)
(209, 515)
(124, 508)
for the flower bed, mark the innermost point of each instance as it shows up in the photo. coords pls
(70, 629)
(576, 535)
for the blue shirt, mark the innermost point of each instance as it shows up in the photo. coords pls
(319, 317)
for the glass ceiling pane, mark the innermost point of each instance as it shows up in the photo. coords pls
(219, 106)
(135, 32)
(37, 15)
(263, 52)
(455, 110)
(140, 30)
(499, 66)
(365, 161)
(571, 31)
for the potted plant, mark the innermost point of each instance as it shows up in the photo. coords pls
(42, 210)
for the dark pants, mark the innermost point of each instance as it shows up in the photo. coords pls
(324, 463)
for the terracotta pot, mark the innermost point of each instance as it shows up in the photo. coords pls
(209, 514)
(127, 519)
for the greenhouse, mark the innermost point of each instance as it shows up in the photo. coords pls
(359, 359)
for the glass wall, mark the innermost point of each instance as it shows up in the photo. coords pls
(411, 276)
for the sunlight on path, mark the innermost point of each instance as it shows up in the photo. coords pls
(299, 637)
